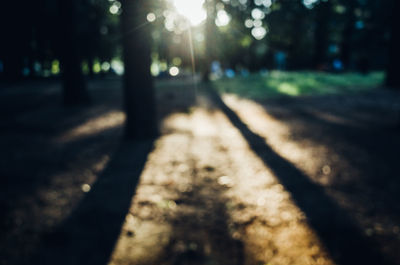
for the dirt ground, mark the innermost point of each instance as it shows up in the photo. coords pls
(308, 180)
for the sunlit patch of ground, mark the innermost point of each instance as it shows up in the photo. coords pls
(278, 136)
(346, 145)
(106, 121)
(206, 198)
(50, 158)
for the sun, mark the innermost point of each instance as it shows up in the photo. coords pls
(192, 10)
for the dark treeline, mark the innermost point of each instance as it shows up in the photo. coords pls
(45, 38)
(36, 34)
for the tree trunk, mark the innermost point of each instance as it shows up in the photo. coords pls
(74, 85)
(392, 70)
(210, 35)
(90, 63)
(138, 84)
(347, 35)
(321, 35)
(13, 39)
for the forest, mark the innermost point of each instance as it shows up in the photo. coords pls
(199, 132)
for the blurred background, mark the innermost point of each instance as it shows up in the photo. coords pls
(199, 132)
(242, 37)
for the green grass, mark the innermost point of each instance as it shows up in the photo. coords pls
(278, 84)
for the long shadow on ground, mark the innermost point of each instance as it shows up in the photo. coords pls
(341, 236)
(89, 235)
(33, 159)
(205, 230)
(376, 137)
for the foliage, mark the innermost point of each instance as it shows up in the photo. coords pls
(312, 34)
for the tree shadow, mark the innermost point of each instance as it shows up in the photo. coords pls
(343, 239)
(360, 135)
(89, 234)
(33, 118)
(202, 235)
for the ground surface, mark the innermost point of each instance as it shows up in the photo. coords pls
(306, 180)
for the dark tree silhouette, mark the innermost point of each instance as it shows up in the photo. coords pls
(346, 44)
(138, 85)
(75, 91)
(14, 38)
(321, 34)
(392, 71)
(210, 35)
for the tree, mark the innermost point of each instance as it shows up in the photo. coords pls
(210, 35)
(138, 85)
(15, 38)
(346, 44)
(392, 70)
(74, 85)
(321, 35)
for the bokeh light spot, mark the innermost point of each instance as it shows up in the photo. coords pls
(222, 19)
(174, 71)
(258, 33)
(85, 187)
(114, 9)
(151, 17)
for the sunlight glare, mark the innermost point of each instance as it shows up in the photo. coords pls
(192, 10)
